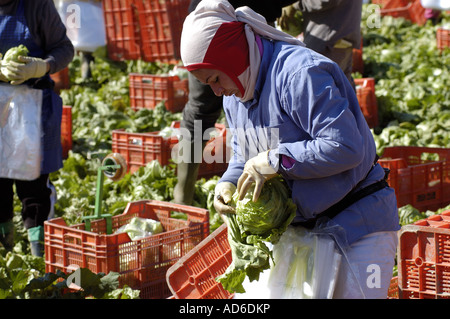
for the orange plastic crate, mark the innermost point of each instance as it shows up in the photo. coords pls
(365, 92)
(417, 13)
(193, 275)
(422, 183)
(138, 149)
(161, 22)
(410, 10)
(142, 264)
(62, 80)
(358, 63)
(122, 29)
(424, 258)
(148, 90)
(393, 288)
(443, 38)
(380, 2)
(66, 130)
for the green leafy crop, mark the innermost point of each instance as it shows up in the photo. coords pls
(254, 224)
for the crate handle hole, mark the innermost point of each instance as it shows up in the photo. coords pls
(135, 141)
(193, 280)
(418, 261)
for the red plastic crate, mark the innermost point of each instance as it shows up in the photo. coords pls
(62, 80)
(393, 288)
(410, 10)
(142, 263)
(138, 149)
(193, 276)
(122, 29)
(380, 2)
(148, 90)
(66, 130)
(418, 181)
(424, 258)
(417, 13)
(365, 92)
(443, 38)
(161, 23)
(358, 63)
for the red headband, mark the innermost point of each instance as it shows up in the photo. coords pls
(228, 52)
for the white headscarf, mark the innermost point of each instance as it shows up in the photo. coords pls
(217, 36)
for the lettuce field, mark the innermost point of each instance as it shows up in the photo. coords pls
(412, 86)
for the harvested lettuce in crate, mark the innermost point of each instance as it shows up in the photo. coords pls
(139, 228)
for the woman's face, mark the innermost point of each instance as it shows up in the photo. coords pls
(220, 83)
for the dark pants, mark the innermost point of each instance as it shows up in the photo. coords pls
(204, 106)
(35, 196)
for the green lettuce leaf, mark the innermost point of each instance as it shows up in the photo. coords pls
(13, 55)
(253, 225)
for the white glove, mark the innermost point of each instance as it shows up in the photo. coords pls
(2, 76)
(223, 194)
(257, 170)
(27, 68)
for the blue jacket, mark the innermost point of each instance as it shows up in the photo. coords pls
(305, 108)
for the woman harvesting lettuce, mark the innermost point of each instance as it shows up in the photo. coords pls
(33, 44)
(294, 114)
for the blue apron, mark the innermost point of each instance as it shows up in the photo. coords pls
(14, 31)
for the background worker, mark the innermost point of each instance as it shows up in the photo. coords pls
(79, 29)
(37, 25)
(204, 106)
(331, 28)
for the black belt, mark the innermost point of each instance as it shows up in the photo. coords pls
(348, 200)
(42, 83)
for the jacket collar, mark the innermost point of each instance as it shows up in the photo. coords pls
(266, 59)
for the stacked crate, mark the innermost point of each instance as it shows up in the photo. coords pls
(144, 29)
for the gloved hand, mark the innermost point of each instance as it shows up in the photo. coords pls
(222, 196)
(2, 76)
(257, 170)
(291, 20)
(287, 16)
(29, 68)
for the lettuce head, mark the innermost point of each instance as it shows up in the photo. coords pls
(253, 225)
(13, 55)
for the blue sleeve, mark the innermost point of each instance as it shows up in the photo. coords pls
(318, 108)
(237, 161)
